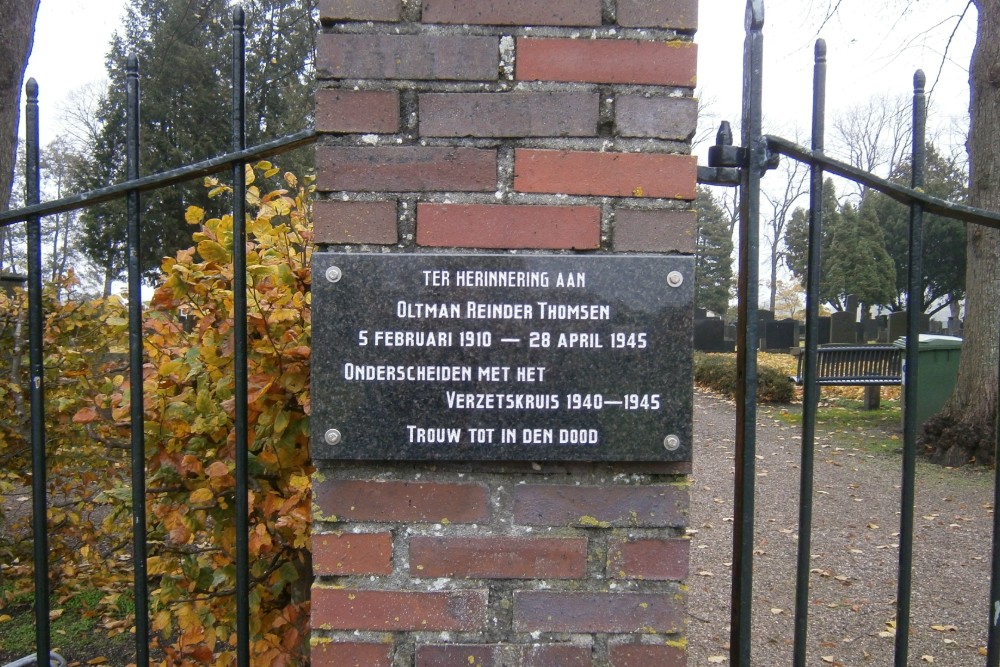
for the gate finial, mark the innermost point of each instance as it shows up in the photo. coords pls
(755, 15)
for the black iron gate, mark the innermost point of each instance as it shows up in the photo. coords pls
(131, 190)
(741, 166)
(744, 166)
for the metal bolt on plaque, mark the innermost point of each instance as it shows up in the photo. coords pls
(333, 437)
(334, 274)
(675, 279)
(672, 443)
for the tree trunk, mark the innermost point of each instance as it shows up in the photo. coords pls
(17, 31)
(963, 431)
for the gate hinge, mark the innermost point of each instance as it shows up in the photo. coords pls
(725, 160)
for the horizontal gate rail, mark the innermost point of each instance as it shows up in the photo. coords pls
(900, 193)
(164, 179)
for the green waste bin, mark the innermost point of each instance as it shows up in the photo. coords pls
(937, 367)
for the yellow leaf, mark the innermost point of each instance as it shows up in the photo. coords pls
(211, 251)
(927, 658)
(4, 618)
(99, 660)
(194, 215)
(945, 628)
(55, 613)
(828, 659)
(248, 171)
(201, 496)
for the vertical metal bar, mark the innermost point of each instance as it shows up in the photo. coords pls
(993, 638)
(810, 393)
(914, 306)
(747, 338)
(240, 345)
(136, 398)
(36, 389)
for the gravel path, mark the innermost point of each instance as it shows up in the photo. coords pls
(854, 551)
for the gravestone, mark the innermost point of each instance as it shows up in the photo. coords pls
(824, 330)
(710, 335)
(843, 328)
(897, 324)
(780, 335)
(882, 334)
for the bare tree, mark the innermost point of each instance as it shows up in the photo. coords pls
(874, 136)
(792, 186)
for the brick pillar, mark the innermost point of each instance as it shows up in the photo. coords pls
(525, 125)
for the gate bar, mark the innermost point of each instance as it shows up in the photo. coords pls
(914, 306)
(163, 179)
(36, 331)
(135, 364)
(810, 390)
(240, 344)
(900, 193)
(747, 339)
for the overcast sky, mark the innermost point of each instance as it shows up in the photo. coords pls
(872, 50)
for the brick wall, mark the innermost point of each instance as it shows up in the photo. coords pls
(556, 125)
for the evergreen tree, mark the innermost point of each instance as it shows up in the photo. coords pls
(856, 263)
(713, 258)
(797, 232)
(854, 259)
(944, 238)
(185, 51)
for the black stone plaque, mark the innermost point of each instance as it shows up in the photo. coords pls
(502, 357)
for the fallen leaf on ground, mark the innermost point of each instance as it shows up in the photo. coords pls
(716, 658)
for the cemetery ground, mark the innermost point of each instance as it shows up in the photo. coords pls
(855, 540)
(854, 549)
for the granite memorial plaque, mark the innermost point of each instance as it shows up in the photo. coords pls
(502, 357)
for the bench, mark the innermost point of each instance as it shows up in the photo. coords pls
(869, 366)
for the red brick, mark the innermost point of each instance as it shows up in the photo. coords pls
(553, 655)
(658, 117)
(502, 655)
(647, 655)
(514, 12)
(655, 231)
(606, 61)
(652, 559)
(502, 226)
(518, 114)
(351, 654)
(447, 57)
(360, 10)
(458, 655)
(355, 222)
(549, 611)
(676, 14)
(369, 111)
(405, 168)
(398, 611)
(650, 506)
(610, 174)
(399, 502)
(498, 557)
(352, 553)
